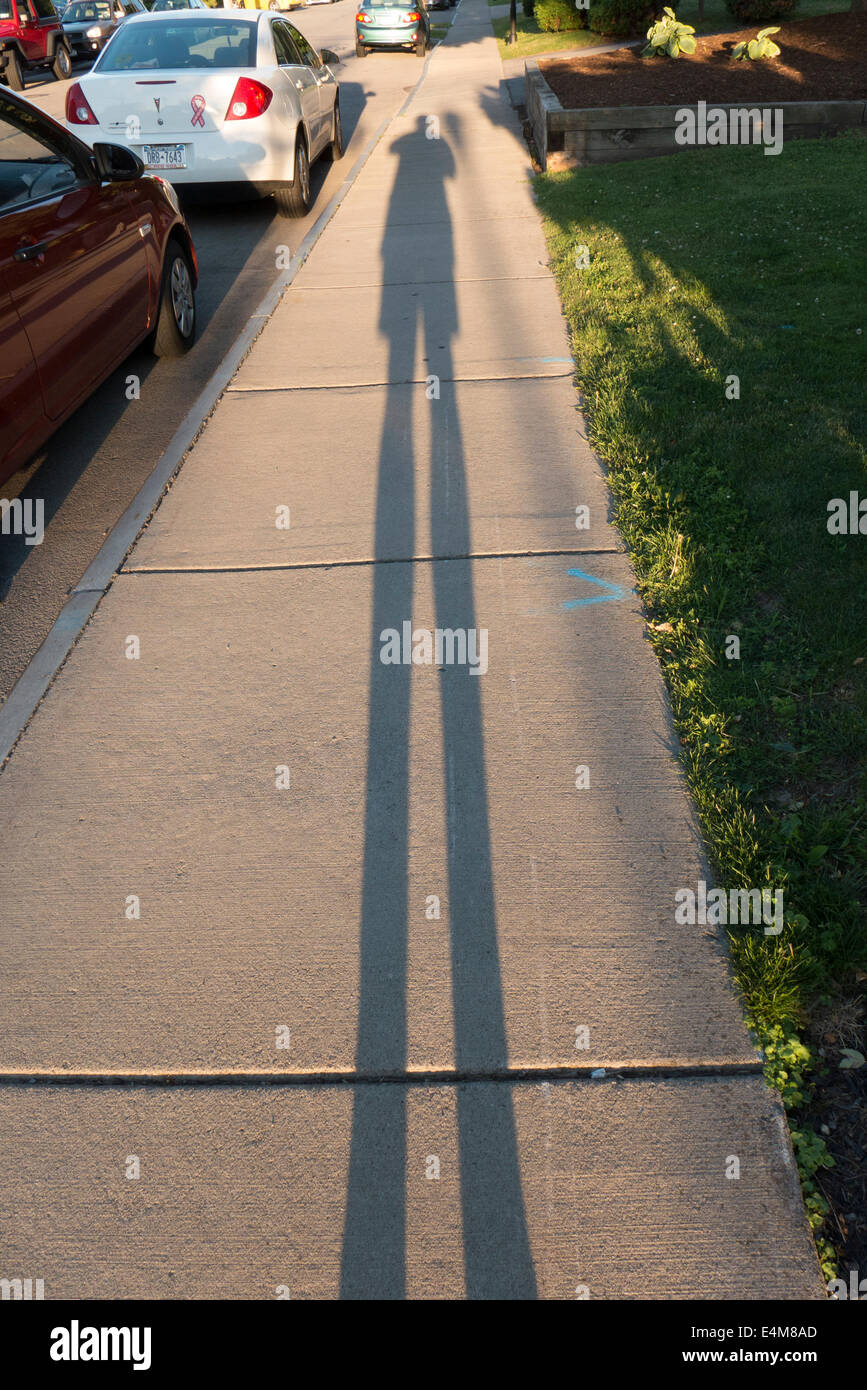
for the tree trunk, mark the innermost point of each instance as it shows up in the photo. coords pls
(513, 21)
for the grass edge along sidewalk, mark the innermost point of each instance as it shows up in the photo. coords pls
(713, 301)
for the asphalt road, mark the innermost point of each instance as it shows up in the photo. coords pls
(92, 468)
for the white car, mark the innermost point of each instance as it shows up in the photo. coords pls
(216, 97)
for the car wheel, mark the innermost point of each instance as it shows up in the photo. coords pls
(335, 149)
(176, 324)
(360, 50)
(295, 201)
(13, 72)
(62, 65)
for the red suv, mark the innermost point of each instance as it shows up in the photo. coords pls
(95, 258)
(31, 39)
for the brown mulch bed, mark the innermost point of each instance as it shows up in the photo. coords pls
(821, 60)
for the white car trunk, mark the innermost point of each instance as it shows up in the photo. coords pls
(164, 105)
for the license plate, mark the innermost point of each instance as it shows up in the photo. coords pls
(165, 156)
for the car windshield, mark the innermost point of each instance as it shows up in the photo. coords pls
(153, 44)
(86, 9)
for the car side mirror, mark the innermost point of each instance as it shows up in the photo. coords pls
(329, 57)
(117, 164)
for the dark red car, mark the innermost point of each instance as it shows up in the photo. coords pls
(95, 257)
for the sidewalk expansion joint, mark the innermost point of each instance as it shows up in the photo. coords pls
(371, 560)
(422, 1076)
(542, 274)
(406, 381)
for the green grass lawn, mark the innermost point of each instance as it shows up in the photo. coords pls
(705, 265)
(532, 41)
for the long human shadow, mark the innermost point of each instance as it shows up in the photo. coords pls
(497, 1259)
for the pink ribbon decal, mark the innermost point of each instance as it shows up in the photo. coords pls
(198, 105)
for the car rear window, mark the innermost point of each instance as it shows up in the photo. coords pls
(171, 43)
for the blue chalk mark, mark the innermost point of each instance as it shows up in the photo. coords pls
(615, 591)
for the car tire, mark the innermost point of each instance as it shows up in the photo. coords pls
(360, 50)
(176, 322)
(13, 72)
(335, 149)
(295, 200)
(62, 65)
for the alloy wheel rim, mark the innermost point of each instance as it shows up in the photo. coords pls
(182, 297)
(304, 174)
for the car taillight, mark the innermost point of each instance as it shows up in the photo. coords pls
(249, 99)
(412, 18)
(363, 17)
(78, 111)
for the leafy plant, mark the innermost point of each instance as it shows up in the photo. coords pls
(787, 1061)
(669, 36)
(759, 47)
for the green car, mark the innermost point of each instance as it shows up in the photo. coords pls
(392, 24)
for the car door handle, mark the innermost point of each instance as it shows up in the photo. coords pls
(31, 253)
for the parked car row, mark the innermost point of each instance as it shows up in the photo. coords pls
(39, 36)
(95, 254)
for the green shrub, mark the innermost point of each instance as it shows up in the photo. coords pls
(619, 18)
(747, 10)
(556, 16)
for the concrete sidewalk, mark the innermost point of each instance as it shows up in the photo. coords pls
(380, 991)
